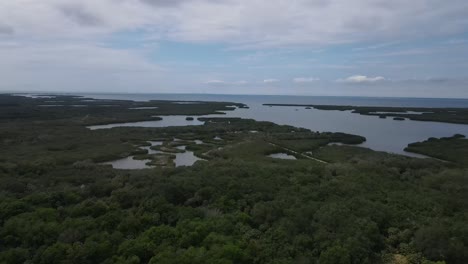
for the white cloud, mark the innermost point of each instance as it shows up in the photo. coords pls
(457, 41)
(270, 80)
(242, 23)
(361, 79)
(74, 44)
(305, 79)
(215, 82)
(334, 66)
(74, 67)
(221, 82)
(377, 46)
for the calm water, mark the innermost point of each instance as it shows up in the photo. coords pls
(282, 156)
(165, 122)
(382, 134)
(182, 159)
(185, 159)
(128, 163)
(144, 108)
(153, 143)
(286, 99)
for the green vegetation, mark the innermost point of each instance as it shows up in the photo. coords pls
(445, 115)
(57, 205)
(454, 149)
(85, 111)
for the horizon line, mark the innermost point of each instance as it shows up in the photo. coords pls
(227, 94)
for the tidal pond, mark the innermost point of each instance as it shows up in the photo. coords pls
(186, 158)
(166, 121)
(128, 163)
(284, 156)
(144, 108)
(382, 134)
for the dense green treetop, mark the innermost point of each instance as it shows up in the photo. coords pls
(59, 205)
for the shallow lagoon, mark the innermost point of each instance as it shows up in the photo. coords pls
(128, 163)
(186, 158)
(382, 134)
(284, 156)
(166, 121)
(144, 108)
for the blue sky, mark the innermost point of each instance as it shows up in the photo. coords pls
(299, 47)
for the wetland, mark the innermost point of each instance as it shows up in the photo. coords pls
(336, 201)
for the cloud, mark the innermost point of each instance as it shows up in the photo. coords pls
(215, 82)
(408, 52)
(221, 82)
(457, 41)
(334, 66)
(61, 43)
(6, 30)
(9, 44)
(164, 3)
(80, 15)
(361, 79)
(434, 80)
(75, 67)
(251, 24)
(377, 46)
(305, 79)
(271, 81)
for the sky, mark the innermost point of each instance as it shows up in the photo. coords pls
(397, 48)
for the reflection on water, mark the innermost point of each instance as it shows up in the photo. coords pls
(292, 99)
(338, 144)
(143, 107)
(153, 143)
(382, 134)
(34, 95)
(128, 163)
(186, 158)
(401, 113)
(188, 102)
(165, 122)
(282, 156)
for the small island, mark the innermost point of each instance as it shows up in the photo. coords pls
(452, 149)
(445, 115)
